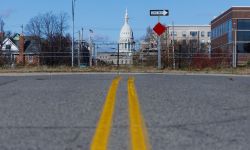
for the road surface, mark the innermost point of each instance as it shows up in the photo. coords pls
(169, 112)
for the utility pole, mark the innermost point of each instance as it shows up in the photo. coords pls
(235, 49)
(90, 49)
(1, 25)
(79, 47)
(118, 55)
(22, 28)
(73, 32)
(173, 46)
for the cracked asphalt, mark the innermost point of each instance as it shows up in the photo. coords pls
(181, 112)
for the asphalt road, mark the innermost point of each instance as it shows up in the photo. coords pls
(181, 112)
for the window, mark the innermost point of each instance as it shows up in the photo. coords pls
(174, 33)
(202, 41)
(30, 59)
(8, 47)
(222, 29)
(202, 33)
(244, 24)
(243, 36)
(184, 33)
(193, 33)
(243, 47)
(208, 34)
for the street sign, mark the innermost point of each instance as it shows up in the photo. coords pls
(159, 29)
(159, 12)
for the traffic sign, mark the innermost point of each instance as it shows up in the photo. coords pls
(159, 12)
(159, 29)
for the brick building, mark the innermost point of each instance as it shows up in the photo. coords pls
(231, 35)
(21, 50)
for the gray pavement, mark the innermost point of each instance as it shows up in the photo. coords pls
(60, 112)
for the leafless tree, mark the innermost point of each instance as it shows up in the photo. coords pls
(149, 34)
(62, 25)
(49, 24)
(55, 43)
(34, 27)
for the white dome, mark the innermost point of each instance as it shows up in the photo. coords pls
(126, 41)
(126, 34)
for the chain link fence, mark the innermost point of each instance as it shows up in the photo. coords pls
(112, 59)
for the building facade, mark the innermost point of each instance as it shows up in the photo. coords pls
(231, 34)
(21, 49)
(196, 35)
(126, 47)
(126, 43)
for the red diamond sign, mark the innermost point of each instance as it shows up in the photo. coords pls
(159, 29)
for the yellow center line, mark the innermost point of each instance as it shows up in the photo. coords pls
(138, 132)
(103, 129)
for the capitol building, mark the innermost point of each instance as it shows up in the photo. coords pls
(126, 46)
(126, 41)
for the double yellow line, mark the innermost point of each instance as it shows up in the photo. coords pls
(101, 136)
(138, 134)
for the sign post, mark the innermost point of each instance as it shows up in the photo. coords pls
(159, 30)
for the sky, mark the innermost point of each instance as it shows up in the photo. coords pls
(106, 17)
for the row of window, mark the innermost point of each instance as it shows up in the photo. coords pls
(243, 47)
(222, 29)
(243, 36)
(243, 24)
(192, 33)
(126, 46)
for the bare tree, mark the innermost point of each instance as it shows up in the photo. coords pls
(49, 24)
(34, 27)
(51, 28)
(149, 34)
(62, 25)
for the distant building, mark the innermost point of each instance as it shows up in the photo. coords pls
(126, 47)
(126, 43)
(188, 40)
(21, 50)
(200, 34)
(108, 58)
(231, 32)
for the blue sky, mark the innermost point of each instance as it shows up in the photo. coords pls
(105, 17)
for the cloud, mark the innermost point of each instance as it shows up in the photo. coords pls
(6, 13)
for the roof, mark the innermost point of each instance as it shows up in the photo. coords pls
(32, 47)
(233, 8)
(205, 25)
(126, 34)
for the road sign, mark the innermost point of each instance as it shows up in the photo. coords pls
(159, 29)
(159, 12)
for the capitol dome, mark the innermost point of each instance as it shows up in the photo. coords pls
(126, 41)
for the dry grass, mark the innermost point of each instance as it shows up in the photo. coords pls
(140, 69)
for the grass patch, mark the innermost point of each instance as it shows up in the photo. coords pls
(126, 69)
